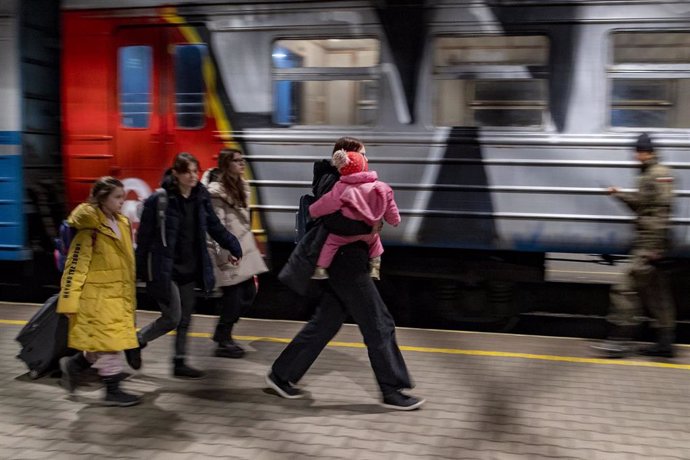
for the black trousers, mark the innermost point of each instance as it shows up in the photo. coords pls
(236, 300)
(176, 314)
(349, 290)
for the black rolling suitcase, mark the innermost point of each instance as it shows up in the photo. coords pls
(44, 339)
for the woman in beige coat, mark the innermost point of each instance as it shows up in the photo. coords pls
(230, 199)
(98, 290)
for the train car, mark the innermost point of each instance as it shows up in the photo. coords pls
(12, 237)
(31, 180)
(499, 124)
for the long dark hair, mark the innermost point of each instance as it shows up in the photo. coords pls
(183, 161)
(349, 144)
(102, 188)
(234, 186)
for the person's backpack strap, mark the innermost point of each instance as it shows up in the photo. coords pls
(161, 206)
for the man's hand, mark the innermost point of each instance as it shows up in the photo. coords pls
(612, 190)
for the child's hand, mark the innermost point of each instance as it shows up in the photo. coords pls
(377, 227)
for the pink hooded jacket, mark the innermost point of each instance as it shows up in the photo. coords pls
(359, 196)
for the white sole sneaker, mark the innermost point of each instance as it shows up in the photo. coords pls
(414, 406)
(279, 390)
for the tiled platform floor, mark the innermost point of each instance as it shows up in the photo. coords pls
(489, 396)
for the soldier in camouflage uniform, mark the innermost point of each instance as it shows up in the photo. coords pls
(645, 284)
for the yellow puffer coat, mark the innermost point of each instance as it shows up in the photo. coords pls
(98, 286)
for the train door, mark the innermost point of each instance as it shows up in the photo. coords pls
(161, 108)
(141, 120)
(161, 102)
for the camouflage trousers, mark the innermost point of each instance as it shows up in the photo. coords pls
(645, 287)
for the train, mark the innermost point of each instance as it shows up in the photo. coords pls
(498, 123)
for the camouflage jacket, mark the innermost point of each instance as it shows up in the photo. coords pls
(652, 204)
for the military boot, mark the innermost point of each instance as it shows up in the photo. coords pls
(617, 345)
(613, 349)
(663, 346)
(116, 397)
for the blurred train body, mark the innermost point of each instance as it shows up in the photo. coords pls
(12, 239)
(499, 124)
(31, 179)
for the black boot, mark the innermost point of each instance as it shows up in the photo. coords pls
(71, 367)
(663, 346)
(183, 371)
(229, 349)
(116, 397)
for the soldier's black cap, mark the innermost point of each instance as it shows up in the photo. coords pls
(644, 143)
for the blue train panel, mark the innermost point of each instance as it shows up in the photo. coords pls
(12, 224)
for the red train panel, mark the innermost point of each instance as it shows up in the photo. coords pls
(134, 94)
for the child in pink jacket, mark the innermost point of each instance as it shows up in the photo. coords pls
(359, 195)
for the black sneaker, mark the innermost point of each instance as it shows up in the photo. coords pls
(229, 350)
(183, 371)
(284, 389)
(400, 401)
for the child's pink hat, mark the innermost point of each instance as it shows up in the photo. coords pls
(349, 162)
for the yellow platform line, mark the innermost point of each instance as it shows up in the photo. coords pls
(495, 354)
(13, 322)
(446, 351)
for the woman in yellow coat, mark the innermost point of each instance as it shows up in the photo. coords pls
(98, 290)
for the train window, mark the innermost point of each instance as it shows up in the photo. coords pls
(134, 72)
(190, 105)
(491, 81)
(650, 80)
(325, 82)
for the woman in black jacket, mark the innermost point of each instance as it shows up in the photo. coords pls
(349, 291)
(172, 257)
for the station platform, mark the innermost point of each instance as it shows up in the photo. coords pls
(489, 396)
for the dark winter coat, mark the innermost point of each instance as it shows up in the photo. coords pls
(297, 272)
(155, 260)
